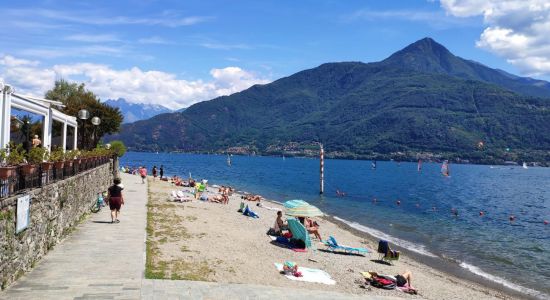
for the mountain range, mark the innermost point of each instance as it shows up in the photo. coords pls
(137, 111)
(420, 101)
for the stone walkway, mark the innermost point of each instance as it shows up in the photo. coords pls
(106, 261)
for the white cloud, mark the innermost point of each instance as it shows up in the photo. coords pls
(435, 19)
(154, 40)
(99, 18)
(90, 38)
(517, 30)
(136, 85)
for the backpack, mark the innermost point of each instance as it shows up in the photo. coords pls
(383, 283)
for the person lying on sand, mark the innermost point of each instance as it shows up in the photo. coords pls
(311, 226)
(251, 197)
(404, 280)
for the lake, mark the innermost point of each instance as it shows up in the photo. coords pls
(436, 216)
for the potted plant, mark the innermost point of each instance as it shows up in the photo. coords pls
(57, 156)
(35, 157)
(5, 170)
(47, 163)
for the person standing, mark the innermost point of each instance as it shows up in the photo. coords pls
(154, 172)
(115, 199)
(161, 171)
(143, 173)
(36, 142)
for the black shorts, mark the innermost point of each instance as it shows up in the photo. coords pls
(115, 203)
(400, 280)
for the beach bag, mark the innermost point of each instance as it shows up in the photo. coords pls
(383, 283)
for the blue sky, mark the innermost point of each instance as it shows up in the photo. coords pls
(179, 52)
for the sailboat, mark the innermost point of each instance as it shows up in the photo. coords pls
(419, 167)
(228, 160)
(445, 169)
(373, 164)
(524, 165)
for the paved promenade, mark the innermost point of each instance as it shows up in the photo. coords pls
(106, 261)
(98, 261)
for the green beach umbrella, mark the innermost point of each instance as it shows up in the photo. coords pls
(300, 208)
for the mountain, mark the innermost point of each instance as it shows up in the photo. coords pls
(420, 100)
(137, 111)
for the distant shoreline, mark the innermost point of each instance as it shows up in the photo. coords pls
(351, 157)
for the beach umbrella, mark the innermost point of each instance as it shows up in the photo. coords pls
(300, 208)
(294, 203)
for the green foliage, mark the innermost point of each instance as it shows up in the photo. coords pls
(72, 154)
(57, 155)
(16, 154)
(37, 155)
(76, 97)
(118, 148)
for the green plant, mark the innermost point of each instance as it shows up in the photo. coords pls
(71, 154)
(57, 155)
(3, 156)
(16, 154)
(118, 148)
(37, 155)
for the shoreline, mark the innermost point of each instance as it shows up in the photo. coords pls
(465, 161)
(452, 278)
(447, 266)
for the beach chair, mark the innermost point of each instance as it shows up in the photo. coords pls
(299, 231)
(332, 245)
(386, 253)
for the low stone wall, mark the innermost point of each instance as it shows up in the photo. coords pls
(55, 210)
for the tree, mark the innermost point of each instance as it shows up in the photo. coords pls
(118, 148)
(76, 97)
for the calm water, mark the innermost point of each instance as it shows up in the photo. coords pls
(513, 253)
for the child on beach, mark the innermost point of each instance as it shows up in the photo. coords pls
(143, 173)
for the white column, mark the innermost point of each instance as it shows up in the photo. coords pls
(64, 136)
(75, 145)
(47, 130)
(5, 115)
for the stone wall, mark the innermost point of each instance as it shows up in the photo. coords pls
(55, 209)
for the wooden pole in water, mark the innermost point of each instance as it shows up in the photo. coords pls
(322, 170)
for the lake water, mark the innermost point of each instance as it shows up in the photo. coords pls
(513, 253)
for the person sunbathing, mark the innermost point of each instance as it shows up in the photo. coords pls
(404, 280)
(311, 227)
(251, 197)
(216, 199)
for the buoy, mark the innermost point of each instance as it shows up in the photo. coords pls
(545, 222)
(512, 218)
(398, 202)
(481, 213)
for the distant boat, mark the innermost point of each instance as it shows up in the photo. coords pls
(283, 157)
(445, 169)
(524, 165)
(419, 167)
(228, 160)
(373, 164)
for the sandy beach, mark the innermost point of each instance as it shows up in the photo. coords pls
(206, 241)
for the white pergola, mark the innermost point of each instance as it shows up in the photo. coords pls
(9, 99)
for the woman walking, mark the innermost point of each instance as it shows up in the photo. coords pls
(115, 200)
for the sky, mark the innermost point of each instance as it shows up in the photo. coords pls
(177, 53)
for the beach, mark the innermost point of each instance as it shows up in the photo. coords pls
(207, 241)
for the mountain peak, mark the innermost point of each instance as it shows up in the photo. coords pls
(424, 49)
